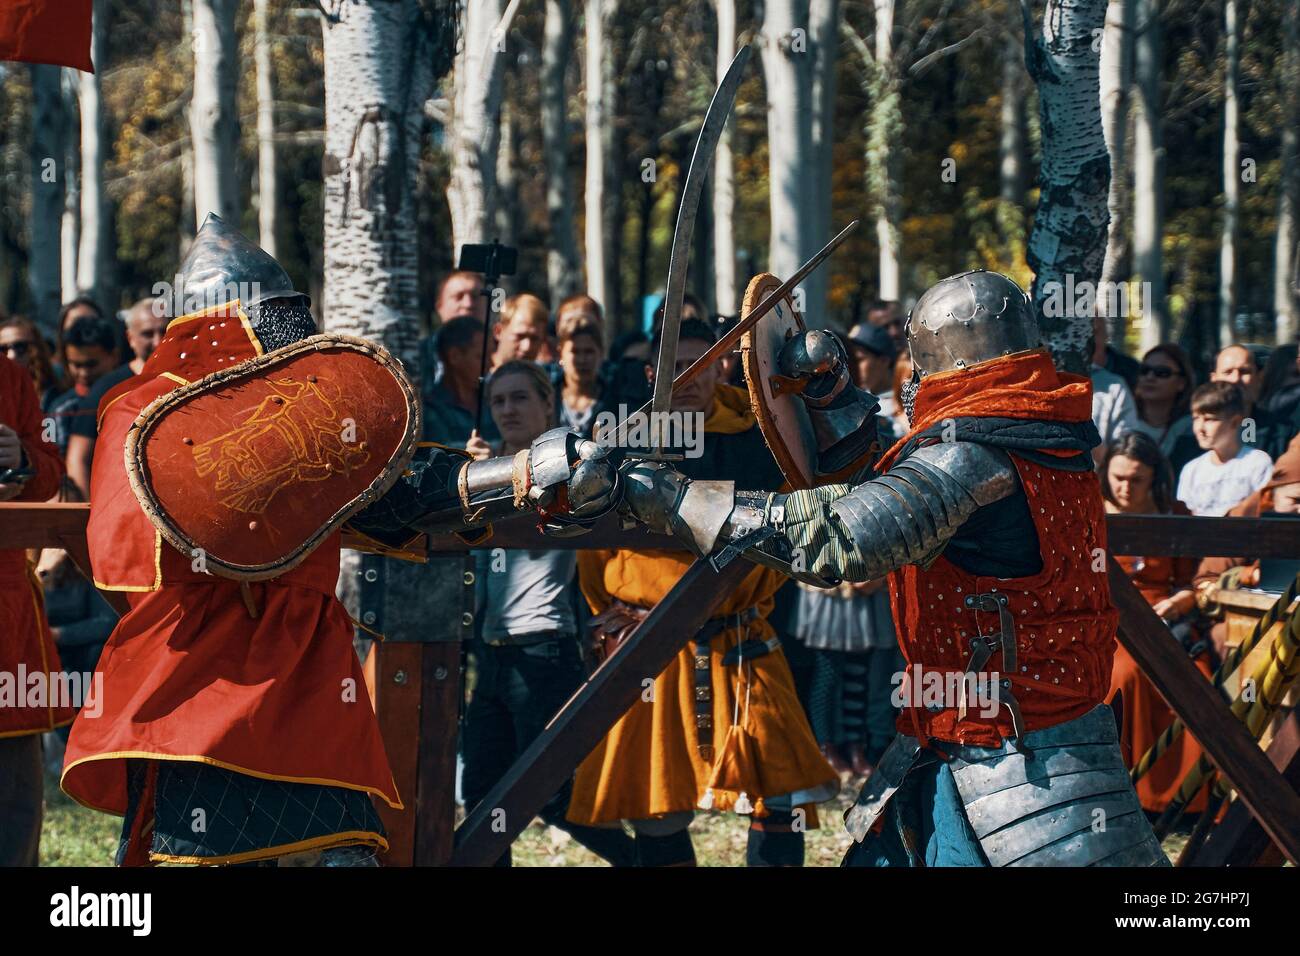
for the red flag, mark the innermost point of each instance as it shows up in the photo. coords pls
(46, 31)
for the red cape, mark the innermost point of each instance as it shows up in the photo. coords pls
(47, 31)
(190, 673)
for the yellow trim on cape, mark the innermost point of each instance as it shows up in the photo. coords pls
(99, 421)
(325, 842)
(198, 758)
(141, 588)
(223, 307)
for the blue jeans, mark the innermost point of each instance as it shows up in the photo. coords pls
(924, 824)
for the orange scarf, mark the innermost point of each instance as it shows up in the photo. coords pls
(1025, 385)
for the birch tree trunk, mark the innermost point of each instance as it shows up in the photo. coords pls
(185, 219)
(506, 214)
(71, 225)
(95, 250)
(596, 240)
(1012, 140)
(476, 134)
(1116, 88)
(884, 131)
(823, 37)
(382, 58)
(1231, 178)
(49, 150)
(563, 271)
(1285, 263)
(214, 118)
(1149, 175)
(379, 71)
(787, 67)
(725, 294)
(1011, 123)
(1068, 241)
(268, 188)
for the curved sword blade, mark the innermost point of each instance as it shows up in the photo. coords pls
(675, 292)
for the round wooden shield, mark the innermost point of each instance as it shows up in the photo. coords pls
(250, 468)
(773, 398)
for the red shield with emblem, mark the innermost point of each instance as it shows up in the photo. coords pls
(250, 468)
(774, 398)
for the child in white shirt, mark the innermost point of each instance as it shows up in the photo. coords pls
(1229, 471)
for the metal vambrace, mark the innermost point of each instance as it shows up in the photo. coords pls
(566, 479)
(483, 492)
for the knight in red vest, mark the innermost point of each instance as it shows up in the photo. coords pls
(988, 520)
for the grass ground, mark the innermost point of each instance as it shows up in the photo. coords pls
(75, 836)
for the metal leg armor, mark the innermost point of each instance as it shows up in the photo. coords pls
(1068, 802)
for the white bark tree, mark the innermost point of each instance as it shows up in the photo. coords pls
(563, 268)
(1231, 176)
(1116, 95)
(268, 189)
(723, 175)
(597, 76)
(185, 220)
(379, 71)
(1285, 263)
(883, 130)
(475, 134)
(48, 154)
(506, 213)
(214, 117)
(1149, 174)
(1011, 123)
(382, 59)
(824, 38)
(787, 67)
(71, 225)
(1068, 241)
(95, 252)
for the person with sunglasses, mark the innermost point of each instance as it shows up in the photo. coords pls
(1164, 389)
(21, 341)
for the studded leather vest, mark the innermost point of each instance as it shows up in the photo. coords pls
(1061, 621)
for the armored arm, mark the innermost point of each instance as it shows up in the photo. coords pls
(568, 480)
(835, 532)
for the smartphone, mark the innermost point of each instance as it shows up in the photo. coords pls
(489, 258)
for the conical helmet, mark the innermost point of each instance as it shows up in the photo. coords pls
(970, 318)
(223, 265)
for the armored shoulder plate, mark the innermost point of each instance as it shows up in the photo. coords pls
(907, 515)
